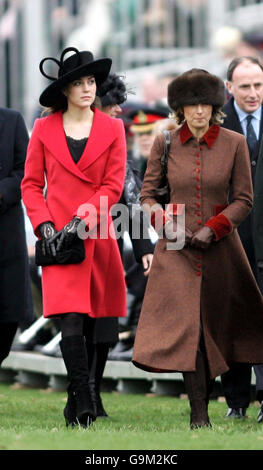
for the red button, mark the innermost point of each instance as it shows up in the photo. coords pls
(199, 265)
(198, 162)
(198, 196)
(198, 154)
(198, 213)
(201, 148)
(197, 170)
(198, 204)
(198, 186)
(198, 178)
(199, 222)
(198, 273)
(199, 256)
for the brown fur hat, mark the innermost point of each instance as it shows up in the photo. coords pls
(196, 86)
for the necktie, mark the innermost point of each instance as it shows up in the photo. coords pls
(251, 136)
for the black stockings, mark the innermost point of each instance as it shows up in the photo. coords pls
(73, 324)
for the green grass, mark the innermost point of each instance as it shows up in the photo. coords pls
(32, 419)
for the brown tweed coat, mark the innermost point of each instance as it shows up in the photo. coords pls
(189, 288)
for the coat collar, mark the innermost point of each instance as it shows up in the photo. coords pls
(100, 138)
(231, 120)
(209, 137)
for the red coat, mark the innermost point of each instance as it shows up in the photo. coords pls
(96, 286)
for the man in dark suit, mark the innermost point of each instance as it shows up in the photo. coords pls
(244, 112)
(15, 294)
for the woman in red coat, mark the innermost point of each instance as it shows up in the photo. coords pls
(77, 154)
(202, 309)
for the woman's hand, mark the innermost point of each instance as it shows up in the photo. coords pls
(173, 231)
(147, 263)
(47, 231)
(203, 238)
(69, 233)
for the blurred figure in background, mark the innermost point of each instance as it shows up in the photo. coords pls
(113, 94)
(143, 120)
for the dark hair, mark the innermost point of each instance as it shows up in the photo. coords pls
(112, 91)
(239, 60)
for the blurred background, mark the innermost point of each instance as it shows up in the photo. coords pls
(148, 40)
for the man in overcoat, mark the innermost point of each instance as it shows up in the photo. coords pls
(15, 293)
(244, 115)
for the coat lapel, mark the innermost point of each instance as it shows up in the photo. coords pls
(231, 121)
(258, 146)
(254, 155)
(101, 136)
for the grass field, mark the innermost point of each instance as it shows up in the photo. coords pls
(32, 419)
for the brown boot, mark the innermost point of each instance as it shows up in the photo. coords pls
(196, 385)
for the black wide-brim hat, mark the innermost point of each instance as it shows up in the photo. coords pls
(79, 64)
(196, 86)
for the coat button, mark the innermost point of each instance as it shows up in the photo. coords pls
(198, 265)
(198, 162)
(199, 222)
(198, 196)
(198, 213)
(198, 273)
(197, 170)
(198, 178)
(197, 204)
(198, 186)
(198, 154)
(253, 163)
(199, 256)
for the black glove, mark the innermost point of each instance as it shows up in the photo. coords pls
(48, 233)
(69, 233)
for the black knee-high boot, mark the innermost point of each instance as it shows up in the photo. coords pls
(79, 403)
(99, 353)
(198, 387)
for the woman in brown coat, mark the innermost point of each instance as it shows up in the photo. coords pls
(202, 309)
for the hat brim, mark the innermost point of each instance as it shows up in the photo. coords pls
(99, 68)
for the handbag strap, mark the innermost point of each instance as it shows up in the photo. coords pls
(164, 157)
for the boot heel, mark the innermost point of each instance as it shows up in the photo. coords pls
(85, 413)
(70, 409)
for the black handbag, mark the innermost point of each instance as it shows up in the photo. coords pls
(162, 193)
(73, 254)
